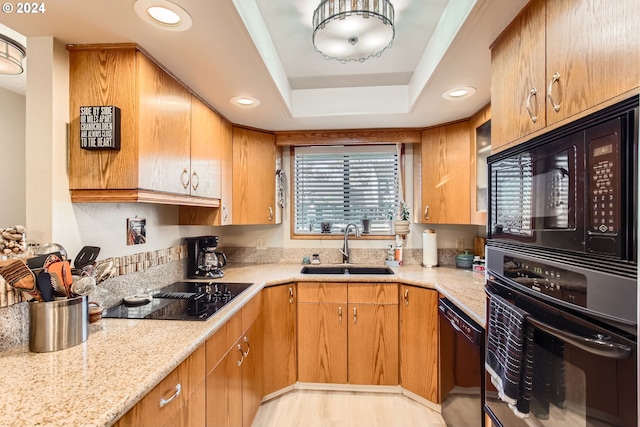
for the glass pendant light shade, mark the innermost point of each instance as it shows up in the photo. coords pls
(353, 30)
(11, 55)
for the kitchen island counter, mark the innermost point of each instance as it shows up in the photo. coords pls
(96, 382)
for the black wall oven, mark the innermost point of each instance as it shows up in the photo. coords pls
(561, 345)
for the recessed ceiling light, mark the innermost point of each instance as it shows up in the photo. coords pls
(163, 14)
(459, 92)
(245, 101)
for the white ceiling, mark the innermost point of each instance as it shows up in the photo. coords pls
(263, 49)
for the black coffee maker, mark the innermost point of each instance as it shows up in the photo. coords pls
(203, 260)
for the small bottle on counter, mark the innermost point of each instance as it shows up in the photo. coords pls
(390, 253)
(398, 250)
(478, 264)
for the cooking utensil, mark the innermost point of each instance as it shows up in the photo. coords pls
(104, 270)
(83, 285)
(43, 281)
(17, 275)
(86, 256)
(50, 248)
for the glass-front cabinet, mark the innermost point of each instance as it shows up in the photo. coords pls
(480, 150)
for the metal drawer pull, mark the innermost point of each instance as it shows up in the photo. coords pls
(246, 353)
(225, 214)
(241, 355)
(270, 213)
(554, 79)
(426, 212)
(355, 315)
(195, 181)
(406, 297)
(165, 402)
(290, 295)
(340, 314)
(533, 116)
(185, 178)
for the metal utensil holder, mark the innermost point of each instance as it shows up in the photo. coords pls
(57, 325)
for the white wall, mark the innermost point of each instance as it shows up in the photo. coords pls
(12, 156)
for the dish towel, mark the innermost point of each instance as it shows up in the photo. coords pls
(509, 354)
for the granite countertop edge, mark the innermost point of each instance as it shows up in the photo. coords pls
(102, 378)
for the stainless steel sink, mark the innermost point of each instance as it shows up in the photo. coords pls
(345, 269)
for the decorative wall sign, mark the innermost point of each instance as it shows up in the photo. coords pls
(100, 127)
(136, 231)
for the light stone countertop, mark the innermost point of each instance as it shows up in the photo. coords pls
(96, 382)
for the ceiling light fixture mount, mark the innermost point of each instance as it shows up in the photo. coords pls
(11, 55)
(353, 30)
(245, 101)
(163, 14)
(459, 92)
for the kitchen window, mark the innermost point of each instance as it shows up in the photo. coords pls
(337, 185)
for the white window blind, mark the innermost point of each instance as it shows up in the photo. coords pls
(341, 185)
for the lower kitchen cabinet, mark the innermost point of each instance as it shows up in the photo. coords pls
(279, 317)
(234, 369)
(419, 341)
(177, 401)
(348, 333)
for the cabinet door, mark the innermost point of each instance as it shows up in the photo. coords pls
(480, 125)
(251, 373)
(322, 342)
(518, 77)
(594, 47)
(225, 212)
(254, 177)
(373, 344)
(279, 342)
(419, 341)
(445, 153)
(163, 130)
(205, 150)
(193, 413)
(224, 390)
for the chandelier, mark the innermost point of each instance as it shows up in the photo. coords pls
(11, 55)
(353, 30)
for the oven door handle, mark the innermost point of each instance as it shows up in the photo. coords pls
(593, 346)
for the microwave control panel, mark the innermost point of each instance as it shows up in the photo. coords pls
(604, 186)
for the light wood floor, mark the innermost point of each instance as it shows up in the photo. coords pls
(310, 408)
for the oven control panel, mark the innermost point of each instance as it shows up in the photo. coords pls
(555, 282)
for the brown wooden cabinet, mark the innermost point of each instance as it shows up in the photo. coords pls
(442, 175)
(255, 161)
(348, 333)
(206, 150)
(154, 161)
(480, 127)
(234, 369)
(419, 341)
(558, 59)
(279, 319)
(177, 401)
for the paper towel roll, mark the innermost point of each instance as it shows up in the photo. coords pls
(429, 248)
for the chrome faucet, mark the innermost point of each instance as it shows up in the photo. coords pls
(345, 249)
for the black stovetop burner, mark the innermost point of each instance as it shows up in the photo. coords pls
(182, 301)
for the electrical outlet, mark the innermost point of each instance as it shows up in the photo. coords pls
(460, 245)
(261, 244)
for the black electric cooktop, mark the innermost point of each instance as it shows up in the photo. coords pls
(181, 301)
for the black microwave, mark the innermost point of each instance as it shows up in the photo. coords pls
(571, 192)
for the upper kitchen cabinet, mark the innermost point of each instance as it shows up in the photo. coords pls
(560, 58)
(480, 126)
(157, 161)
(206, 150)
(256, 158)
(442, 173)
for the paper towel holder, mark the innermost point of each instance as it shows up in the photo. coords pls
(433, 257)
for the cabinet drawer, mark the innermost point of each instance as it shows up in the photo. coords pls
(190, 374)
(322, 292)
(218, 345)
(251, 311)
(378, 293)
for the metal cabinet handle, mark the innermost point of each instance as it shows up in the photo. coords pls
(164, 402)
(426, 213)
(340, 315)
(533, 116)
(290, 295)
(555, 78)
(241, 355)
(225, 213)
(246, 353)
(185, 178)
(406, 297)
(270, 213)
(195, 181)
(355, 315)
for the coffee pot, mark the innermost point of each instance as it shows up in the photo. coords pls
(203, 259)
